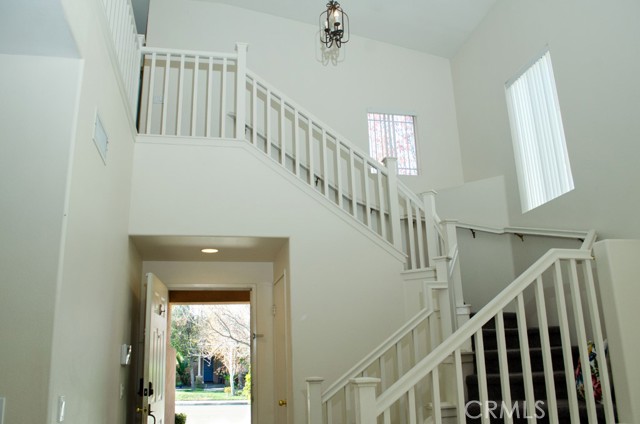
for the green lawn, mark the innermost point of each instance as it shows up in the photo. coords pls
(200, 394)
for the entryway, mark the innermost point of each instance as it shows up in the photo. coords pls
(254, 267)
(211, 340)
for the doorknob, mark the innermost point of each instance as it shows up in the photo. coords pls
(282, 402)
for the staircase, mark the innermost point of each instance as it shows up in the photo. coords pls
(418, 373)
(517, 407)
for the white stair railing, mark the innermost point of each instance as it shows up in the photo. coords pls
(125, 43)
(188, 93)
(568, 275)
(195, 94)
(387, 362)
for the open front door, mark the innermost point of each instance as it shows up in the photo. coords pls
(152, 385)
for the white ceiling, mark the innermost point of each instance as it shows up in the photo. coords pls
(438, 27)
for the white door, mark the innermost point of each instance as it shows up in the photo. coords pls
(281, 342)
(155, 351)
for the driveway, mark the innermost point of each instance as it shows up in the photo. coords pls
(215, 412)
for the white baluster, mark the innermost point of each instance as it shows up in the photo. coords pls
(545, 344)
(460, 400)
(325, 159)
(165, 95)
(254, 112)
(503, 363)
(310, 152)
(296, 142)
(180, 95)
(223, 100)
(194, 96)
(268, 123)
(381, 206)
(339, 173)
(482, 377)
(565, 338)
(207, 131)
(241, 82)
(429, 204)
(592, 302)
(283, 143)
(367, 202)
(421, 253)
(352, 179)
(412, 244)
(578, 316)
(394, 207)
(152, 84)
(524, 356)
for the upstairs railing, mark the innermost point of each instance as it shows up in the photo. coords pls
(563, 278)
(195, 94)
(126, 45)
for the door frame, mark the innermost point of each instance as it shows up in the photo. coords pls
(253, 302)
(287, 345)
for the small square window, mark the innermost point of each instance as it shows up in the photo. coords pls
(542, 160)
(394, 136)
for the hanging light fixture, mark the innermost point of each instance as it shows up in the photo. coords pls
(334, 25)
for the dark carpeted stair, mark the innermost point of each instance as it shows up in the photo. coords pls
(516, 378)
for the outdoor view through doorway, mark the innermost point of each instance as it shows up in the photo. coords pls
(212, 344)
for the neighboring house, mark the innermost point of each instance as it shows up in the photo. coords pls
(71, 271)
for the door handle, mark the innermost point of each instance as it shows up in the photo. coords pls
(282, 402)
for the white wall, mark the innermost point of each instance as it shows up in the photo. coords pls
(36, 128)
(481, 202)
(595, 58)
(618, 276)
(334, 267)
(372, 75)
(98, 292)
(257, 276)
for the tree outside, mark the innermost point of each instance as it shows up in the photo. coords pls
(219, 332)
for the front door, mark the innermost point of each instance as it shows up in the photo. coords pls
(152, 388)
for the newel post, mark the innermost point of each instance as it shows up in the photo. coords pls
(365, 399)
(451, 235)
(429, 204)
(314, 400)
(394, 206)
(446, 302)
(241, 83)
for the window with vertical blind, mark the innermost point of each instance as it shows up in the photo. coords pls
(394, 136)
(542, 161)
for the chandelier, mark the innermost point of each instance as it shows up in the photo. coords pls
(334, 25)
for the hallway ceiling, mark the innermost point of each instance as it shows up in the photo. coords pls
(437, 27)
(232, 249)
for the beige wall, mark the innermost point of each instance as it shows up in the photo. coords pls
(594, 52)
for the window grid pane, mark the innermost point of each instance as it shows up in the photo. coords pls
(542, 161)
(394, 136)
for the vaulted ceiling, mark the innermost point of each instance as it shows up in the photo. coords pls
(433, 26)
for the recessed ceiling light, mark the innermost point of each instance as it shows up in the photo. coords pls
(209, 250)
